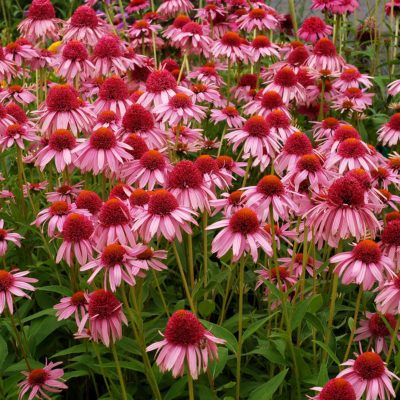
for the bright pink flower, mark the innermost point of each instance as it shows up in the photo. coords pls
(7, 68)
(17, 93)
(169, 8)
(212, 174)
(187, 184)
(15, 134)
(150, 259)
(142, 29)
(230, 115)
(105, 317)
(369, 376)
(76, 233)
(179, 109)
(8, 236)
(151, 169)
(351, 77)
(336, 388)
(264, 103)
(41, 380)
(270, 193)
(102, 151)
(389, 133)
(314, 28)
(89, 200)
(228, 165)
(340, 134)
(64, 192)
(258, 18)
(203, 92)
(186, 342)
(33, 187)
(208, 74)
(85, 26)
(13, 283)
(137, 5)
(163, 217)
(393, 87)
(325, 129)
(60, 146)
(344, 7)
(108, 119)
(176, 26)
(353, 99)
(261, 47)
(325, 57)
(193, 38)
(364, 265)
(64, 110)
(118, 263)
(21, 51)
(280, 124)
(242, 232)
(374, 328)
(229, 203)
(342, 213)
(286, 278)
(230, 46)
(76, 304)
(115, 224)
(295, 262)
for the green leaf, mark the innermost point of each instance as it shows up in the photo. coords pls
(3, 351)
(266, 390)
(217, 366)
(133, 365)
(56, 289)
(78, 348)
(254, 327)
(206, 308)
(176, 389)
(328, 350)
(222, 333)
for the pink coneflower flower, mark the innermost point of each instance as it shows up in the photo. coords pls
(6, 194)
(309, 169)
(7, 68)
(295, 263)
(108, 119)
(228, 165)
(261, 47)
(113, 96)
(229, 203)
(286, 84)
(230, 45)
(176, 27)
(13, 283)
(351, 153)
(336, 388)
(77, 231)
(384, 177)
(150, 259)
(344, 6)
(163, 217)
(85, 26)
(56, 215)
(256, 136)
(374, 327)
(353, 98)
(17, 93)
(230, 115)
(64, 192)
(280, 124)
(169, 8)
(64, 110)
(325, 57)
(187, 184)
(393, 87)
(186, 342)
(212, 174)
(351, 77)
(364, 265)
(205, 93)
(138, 199)
(15, 134)
(242, 232)
(285, 282)
(151, 169)
(388, 298)
(118, 263)
(114, 224)
(76, 304)
(41, 22)
(137, 144)
(389, 133)
(179, 108)
(208, 74)
(41, 380)
(313, 29)
(296, 145)
(258, 18)
(73, 61)
(108, 56)
(161, 86)
(137, 120)
(264, 103)
(60, 146)
(105, 317)
(21, 51)
(34, 187)
(390, 241)
(340, 134)
(137, 5)
(247, 84)
(193, 38)
(325, 129)
(369, 376)
(142, 29)
(89, 200)
(101, 151)
(270, 192)
(342, 213)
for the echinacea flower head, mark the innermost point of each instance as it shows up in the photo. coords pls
(64, 192)
(230, 45)
(258, 18)
(170, 8)
(85, 26)
(391, 241)
(59, 148)
(115, 224)
(89, 200)
(369, 376)
(351, 77)
(364, 265)
(13, 282)
(389, 133)
(242, 232)
(325, 57)
(16, 134)
(41, 381)
(76, 233)
(149, 258)
(7, 235)
(193, 38)
(314, 28)
(336, 388)
(388, 298)
(163, 217)
(230, 115)
(105, 317)
(18, 94)
(186, 343)
(75, 304)
(7, 68)
(101, 151)
(64, 110)
(374, 328)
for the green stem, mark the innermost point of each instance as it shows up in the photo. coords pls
(19, 340)
(190, 261)
(119, 372)
(393, 339)
(160, 293)
(96, 350)
(205, 252)
(292, 10)
(190, 386)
